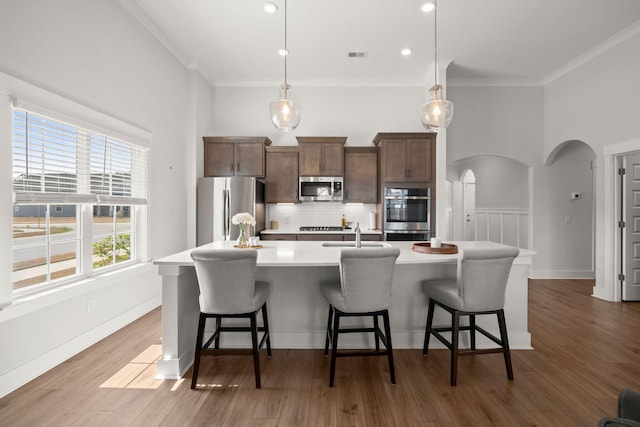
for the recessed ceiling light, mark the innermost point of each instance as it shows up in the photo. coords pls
(283, 52)
(270, 7)
(428, 6)
(406, 52)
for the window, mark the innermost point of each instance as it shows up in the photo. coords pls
(77, 195)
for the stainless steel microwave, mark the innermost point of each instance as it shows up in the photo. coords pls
(321, 188)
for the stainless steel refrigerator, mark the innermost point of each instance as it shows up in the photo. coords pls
(219, 199)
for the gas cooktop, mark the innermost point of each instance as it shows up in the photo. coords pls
(320, 228)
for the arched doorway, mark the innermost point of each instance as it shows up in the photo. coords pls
(468, 180)
(565, 213)
(490, 200)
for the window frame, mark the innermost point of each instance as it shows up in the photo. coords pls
(84, 209)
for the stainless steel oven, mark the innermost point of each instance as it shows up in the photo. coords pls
(407, 213)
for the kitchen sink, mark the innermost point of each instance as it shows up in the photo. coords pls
(353, 244)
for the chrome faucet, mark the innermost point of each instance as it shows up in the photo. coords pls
(358, 237)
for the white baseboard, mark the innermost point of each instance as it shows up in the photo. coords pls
(561, 274)
(21, 375)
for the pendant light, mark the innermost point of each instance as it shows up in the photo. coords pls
(285, 113)
(437, 113)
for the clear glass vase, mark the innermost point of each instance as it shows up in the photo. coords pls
(243, 239)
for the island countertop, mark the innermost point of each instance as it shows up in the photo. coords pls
(274, 253)
(298, 311)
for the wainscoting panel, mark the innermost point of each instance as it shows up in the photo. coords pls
(507, 226)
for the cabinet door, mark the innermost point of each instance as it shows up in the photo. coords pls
(219, 159)
(277, 236)
(361, 175)
(364, 237)
(320, 237)
(332, 159)
(249, 159)
(394, 166)
(322, 155)
(419, 158)
(281, 175)
(310, 159)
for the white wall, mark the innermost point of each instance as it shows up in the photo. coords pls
(597, 103)
(355, 112)
(200, 120)
(565, 249)
(502, 121)
(500, 182)
(97, 55)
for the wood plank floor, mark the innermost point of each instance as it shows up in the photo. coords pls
(585, 351)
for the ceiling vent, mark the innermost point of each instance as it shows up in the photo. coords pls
(357, 54)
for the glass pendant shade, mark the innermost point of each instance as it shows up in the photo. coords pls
(285, 113)
(437, 113)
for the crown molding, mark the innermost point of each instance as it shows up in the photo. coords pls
(452, 82)
(611, 42)
(322, 83)
(152, 27)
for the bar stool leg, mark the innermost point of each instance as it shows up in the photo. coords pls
(254, 341)
(334, 345)
(427, 331)
(265, 322)
(376, 327)
(328, 335)
(502, 324)
(472, 331)
(455, 322)
(196, 358)
(387, 332)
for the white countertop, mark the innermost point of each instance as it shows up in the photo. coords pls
(291, 253)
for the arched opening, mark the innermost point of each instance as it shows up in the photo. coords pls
(468, 205)
(490, 200)
(565, 213)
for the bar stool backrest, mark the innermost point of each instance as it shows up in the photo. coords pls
(482, 277)
(366, 275)
(226, 278)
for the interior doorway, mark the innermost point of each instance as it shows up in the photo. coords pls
(629, 226)
(469, 205)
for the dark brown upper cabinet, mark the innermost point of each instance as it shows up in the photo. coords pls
(321, 156)
(235, 156)
(360, 175)
(282, 175)
(406, 157)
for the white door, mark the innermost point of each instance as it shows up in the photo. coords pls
(630, 232)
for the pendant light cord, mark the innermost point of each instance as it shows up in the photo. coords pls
(435, 40)
(286, 51)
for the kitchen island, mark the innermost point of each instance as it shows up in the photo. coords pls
(298, 311)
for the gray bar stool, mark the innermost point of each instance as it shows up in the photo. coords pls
(478, 289)
(366, 275)
(228, 289)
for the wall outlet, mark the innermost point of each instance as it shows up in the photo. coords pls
(575, 196)
(567, 219)
(91, 306)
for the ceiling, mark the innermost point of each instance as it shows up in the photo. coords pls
(236, 43)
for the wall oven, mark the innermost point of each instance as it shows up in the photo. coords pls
(406, 213)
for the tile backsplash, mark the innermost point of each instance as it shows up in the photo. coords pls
(292, 217)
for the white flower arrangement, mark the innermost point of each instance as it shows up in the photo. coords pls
(243, 218)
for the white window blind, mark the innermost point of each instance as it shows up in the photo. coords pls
(55, 162)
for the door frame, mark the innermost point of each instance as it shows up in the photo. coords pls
(610, 250)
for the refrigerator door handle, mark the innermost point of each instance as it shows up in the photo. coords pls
(226, 220)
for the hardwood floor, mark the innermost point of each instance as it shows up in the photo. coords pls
(585, 351)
